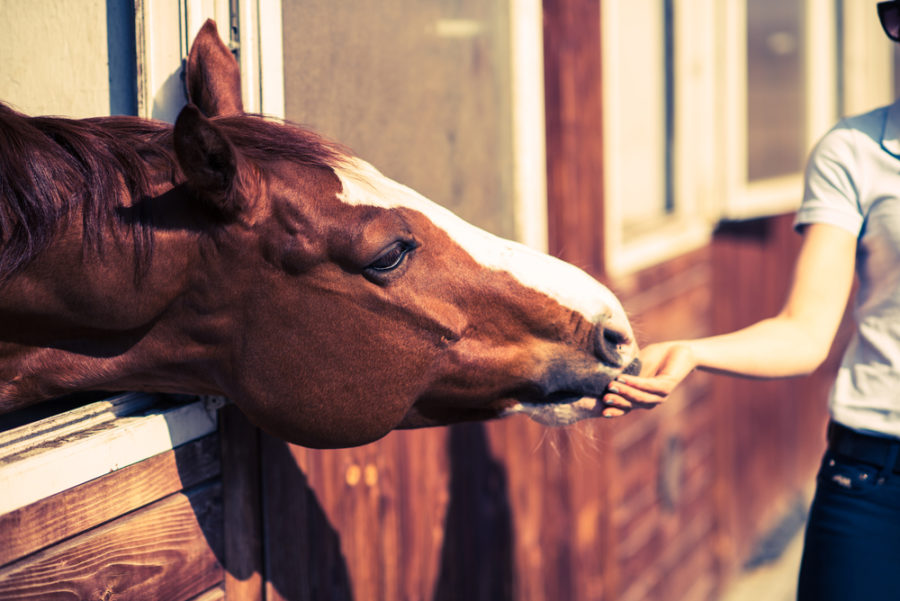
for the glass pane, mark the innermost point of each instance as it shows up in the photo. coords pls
(419, 88)
(776, 90)
(640, 89)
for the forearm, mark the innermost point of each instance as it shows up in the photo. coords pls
(778, 347)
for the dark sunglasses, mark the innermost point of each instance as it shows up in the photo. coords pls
(889, 15)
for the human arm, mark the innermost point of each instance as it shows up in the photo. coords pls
(793, 342)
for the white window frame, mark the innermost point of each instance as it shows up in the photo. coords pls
(689, 226)
(163, 34)
(710, 181)
(165, 31)
(777, 195)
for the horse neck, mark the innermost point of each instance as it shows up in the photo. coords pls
(67, 325)
(82, 316)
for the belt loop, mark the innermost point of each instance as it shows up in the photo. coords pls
(890, 461)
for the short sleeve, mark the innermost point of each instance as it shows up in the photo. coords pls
(831, 193)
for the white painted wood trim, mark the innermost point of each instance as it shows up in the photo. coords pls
(529, 141)
(271, 58)
(675, 238)
(248, 18)
(164, 31)
(160, 39)
(734, 77)
(52, 455)
(697, 159)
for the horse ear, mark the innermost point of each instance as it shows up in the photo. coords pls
(212, 75)
(209, 161)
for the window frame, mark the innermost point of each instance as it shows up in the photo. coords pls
(709, 179)
(163, 34)
(777, 195)
(527, 84)
(689, 223)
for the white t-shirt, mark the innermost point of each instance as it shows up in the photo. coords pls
(853, 182)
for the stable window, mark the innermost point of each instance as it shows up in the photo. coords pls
(780, 95)
(710, 110)
(658, 129)
(450, 104)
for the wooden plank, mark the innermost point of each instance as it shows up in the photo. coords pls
(215, 594)
(242, 506)
(360, 523)
(40, 524)
(67, 458)
(166, 551)
(519, 450)
(573, 105)
(38, 433)
(477, 556)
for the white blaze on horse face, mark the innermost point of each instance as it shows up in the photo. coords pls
(561, 281)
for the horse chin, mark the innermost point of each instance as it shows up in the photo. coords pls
(564, 409)
(562, 412)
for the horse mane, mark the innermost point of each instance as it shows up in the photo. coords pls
(50, 167)
(262, 140)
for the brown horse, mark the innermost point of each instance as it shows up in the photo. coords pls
(240, 256)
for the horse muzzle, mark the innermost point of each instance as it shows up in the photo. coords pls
(633, 368)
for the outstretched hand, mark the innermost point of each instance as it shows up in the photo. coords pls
(664, 366)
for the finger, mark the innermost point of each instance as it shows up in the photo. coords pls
(613, 412)
(637, 397)
(614, 400)
(659, 385)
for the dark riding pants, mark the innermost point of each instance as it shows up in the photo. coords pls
(852, 547)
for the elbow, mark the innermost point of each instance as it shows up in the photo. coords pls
(809, 340)
(813, 360)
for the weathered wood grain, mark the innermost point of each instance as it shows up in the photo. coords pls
(50, 460)
(68, 513)
(167, 551)
(214, 594)
(362, 523)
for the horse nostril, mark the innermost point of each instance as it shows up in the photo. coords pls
(607, 345)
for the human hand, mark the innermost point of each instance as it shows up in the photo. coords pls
(663, 367)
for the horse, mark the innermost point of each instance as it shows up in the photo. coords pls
(243, 256)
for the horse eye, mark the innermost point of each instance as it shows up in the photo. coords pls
(392, 258)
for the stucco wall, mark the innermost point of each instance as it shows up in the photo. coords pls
(56, 56)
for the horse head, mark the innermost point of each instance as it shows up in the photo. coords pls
(330, 303)
(367, 307)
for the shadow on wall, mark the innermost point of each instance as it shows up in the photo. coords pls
(477, 557)
(313, 569)
(303, 557)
